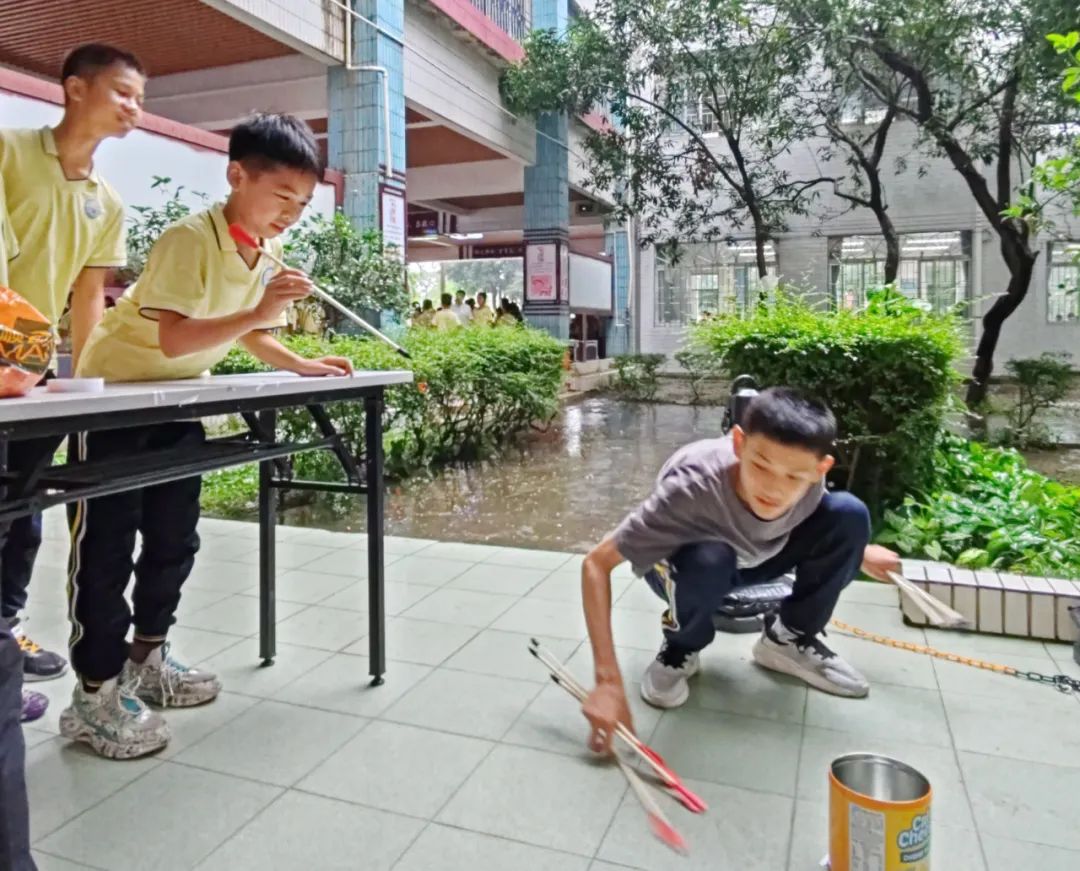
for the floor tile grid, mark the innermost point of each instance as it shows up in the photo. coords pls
(795, 803)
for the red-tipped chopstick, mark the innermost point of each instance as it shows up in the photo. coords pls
(563, 678)
(660, 824)
(243, 237)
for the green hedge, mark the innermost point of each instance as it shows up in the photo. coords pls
(988, 509)
(886, 371)
(473, 391)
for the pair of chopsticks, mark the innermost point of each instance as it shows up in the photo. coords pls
(660, 824)
(936, 611)
(243, 237)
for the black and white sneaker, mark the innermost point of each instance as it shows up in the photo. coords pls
(38, 663)
(664, 684)
(807, 658)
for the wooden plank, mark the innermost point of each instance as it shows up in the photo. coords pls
(1017, 605)
(914, 615)
(991, 602)
(1042, 608)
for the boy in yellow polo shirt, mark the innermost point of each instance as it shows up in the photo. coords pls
(199, 295)
(70, 226)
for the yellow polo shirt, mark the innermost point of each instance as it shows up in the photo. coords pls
(445, 320)
(194, 270)
(62, 225)
(9, 245)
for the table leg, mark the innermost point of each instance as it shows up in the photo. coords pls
(373, 454)
(268, 497)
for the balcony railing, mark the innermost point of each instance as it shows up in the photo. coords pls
(513, 16)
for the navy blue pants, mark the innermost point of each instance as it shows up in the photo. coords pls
(14, 816)
(825, 551)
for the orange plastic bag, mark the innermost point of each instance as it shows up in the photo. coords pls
(27, 343)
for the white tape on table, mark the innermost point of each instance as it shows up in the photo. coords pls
(76, 385)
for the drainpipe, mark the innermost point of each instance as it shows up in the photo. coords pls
(384, 74)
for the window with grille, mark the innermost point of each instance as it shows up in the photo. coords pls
(934, 268)
(708, 278)
(1063, 282)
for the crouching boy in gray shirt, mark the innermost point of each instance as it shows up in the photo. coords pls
(741, 509)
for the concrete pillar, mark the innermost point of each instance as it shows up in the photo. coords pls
(357, 123)
(617, 244)
(547, 206)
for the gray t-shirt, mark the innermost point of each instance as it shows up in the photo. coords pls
(694, 501)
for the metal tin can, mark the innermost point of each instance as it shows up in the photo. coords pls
(879, 815)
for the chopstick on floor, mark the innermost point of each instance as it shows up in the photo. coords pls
(564, 679)
(661, 826)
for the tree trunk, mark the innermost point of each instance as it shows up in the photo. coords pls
(759, 253)
(1021, 262)
(892, 246)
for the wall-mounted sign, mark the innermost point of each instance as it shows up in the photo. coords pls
(492, 252)
(541, 272)
(392, 218)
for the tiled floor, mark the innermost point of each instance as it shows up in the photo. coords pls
(469, 758)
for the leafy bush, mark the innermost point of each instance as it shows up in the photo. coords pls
(885, 370)
(988, 509)
(701, 366)
(149, 222)
(473, 391)
(1041, 383)
(352, 264)
(635, 375)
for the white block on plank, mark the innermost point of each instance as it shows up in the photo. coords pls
(1017, 605)
(991, 602)
(1066, 595)
(965, 594)
(1042, 608)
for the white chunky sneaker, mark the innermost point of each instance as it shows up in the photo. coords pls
(664, 684)
(807, 658)
(114, 722)
(165, 682)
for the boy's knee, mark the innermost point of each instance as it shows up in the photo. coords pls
(711, 557)
(850, 515)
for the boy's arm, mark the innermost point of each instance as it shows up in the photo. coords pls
(87, 307)
(263, 346)
(607, 705)
(179, 334)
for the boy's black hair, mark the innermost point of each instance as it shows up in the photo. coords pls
(427, 306)
(269, 141)
(792, 418)
(446, 299)
(88, 60)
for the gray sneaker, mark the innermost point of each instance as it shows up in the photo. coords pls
(165, 682)
(664, 684)
(807, 658)
(114, 722)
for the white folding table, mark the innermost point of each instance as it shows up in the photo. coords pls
(257, 399)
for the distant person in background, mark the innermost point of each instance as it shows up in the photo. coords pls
(509, 314)
(445, 319)
(471, 303)
(482, 315)
(459, 308)
(425, 319)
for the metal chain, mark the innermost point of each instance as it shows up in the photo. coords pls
(1061, 682)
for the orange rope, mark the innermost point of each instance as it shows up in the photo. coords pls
(921, 648)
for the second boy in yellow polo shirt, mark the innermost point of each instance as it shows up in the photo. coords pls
(198, 296)
(70, 227)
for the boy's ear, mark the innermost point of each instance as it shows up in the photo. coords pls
(827, 462)
(234, 174)
(74, 89)
(738, 440)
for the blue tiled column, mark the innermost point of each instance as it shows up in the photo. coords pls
(356, 126)
(547, 189)
(617, 244)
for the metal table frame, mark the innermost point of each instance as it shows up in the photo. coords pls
(59, 484)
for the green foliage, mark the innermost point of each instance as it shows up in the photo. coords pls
(474, 390)
(701, 366)
(706, 98)
(352, 264)
(149, 222)
(230, 492)
(635, 375)
(988, 509)
(886, 371)
(1041, 382)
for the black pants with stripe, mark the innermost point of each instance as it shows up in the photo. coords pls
(14, 816)
(103, 544)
